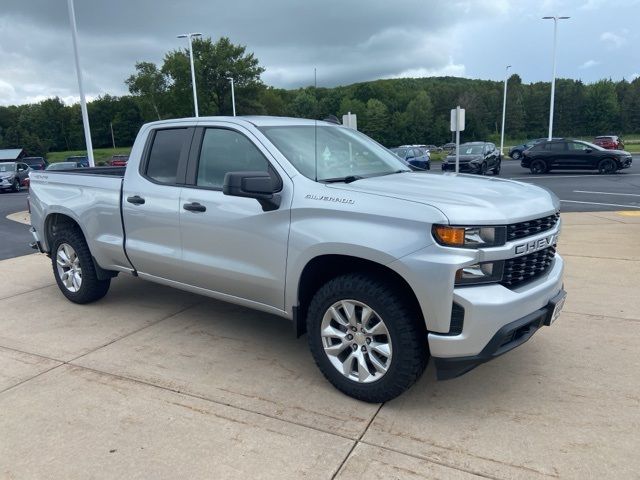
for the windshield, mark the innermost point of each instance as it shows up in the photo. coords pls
(7, 167)
(340, 152)
(471, 149)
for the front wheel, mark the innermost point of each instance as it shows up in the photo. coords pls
(516, 155)
(607, 166)
(496, 169)
(366, 338)
(73, 268)
(16, 185)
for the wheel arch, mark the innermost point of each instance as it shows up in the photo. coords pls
(57, 221)
(323, 268)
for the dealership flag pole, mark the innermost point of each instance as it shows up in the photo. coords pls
(83, 101)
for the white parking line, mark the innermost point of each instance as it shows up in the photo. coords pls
(536, 177)
(604, 204)
(608, 193)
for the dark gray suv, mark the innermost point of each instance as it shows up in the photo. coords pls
(12, 175)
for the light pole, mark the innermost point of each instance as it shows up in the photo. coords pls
(553, 79)
(233, 96)
(193, 72)
(504, 107)
(83, 101)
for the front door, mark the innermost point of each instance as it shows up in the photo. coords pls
(229, 244)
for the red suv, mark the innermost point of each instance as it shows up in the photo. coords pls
(610, 142)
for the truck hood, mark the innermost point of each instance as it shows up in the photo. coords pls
(463, 199)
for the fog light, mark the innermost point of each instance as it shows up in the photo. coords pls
(485, 272)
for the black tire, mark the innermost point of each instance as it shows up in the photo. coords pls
(607, 166)
(496, 169)
(538, 167)
(15, 186)
(407, 334)
(91, 288)
(483, 168)
(516, 155)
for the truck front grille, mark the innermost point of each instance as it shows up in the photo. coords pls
(516, 231)
(520, 270)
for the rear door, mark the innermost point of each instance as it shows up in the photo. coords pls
(229, 244)
(151, 203)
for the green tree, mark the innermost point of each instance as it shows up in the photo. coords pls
(150, 85)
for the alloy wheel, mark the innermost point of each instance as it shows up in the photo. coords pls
(356, 341)
(68, 265)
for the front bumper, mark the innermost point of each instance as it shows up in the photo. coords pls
(510, 336)
(626, 162)
(465, 167)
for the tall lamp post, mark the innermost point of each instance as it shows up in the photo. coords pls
(233, 96)
(83, 100)
(193, 72)
(553, 78)
(504, 107)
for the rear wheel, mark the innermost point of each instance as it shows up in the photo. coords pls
(73, 268)
(538, 167)
(607, 166)
(15, 186)
(516, 155)
(366, 338)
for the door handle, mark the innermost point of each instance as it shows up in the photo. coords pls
(136, 200)
(194, 207)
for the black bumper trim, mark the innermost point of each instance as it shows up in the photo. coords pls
(510, 336)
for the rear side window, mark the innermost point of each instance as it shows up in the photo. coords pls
(164, 156)
(227, 151)
(555, 147)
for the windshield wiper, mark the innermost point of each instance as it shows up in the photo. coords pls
(347, 179)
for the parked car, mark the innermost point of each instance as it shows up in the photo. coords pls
(609, 142)
(434, 148)
(36, 163)
(12, 175)
(516, 151)
(382, 267)
(119, 160)
(81, 160)
(63, 166)
(416, 157)
(449, 147)
(567, 154)
(475, 157)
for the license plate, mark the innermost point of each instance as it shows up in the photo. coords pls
(558, 303)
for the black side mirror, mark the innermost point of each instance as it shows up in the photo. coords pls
(588, 150)
(258, 185)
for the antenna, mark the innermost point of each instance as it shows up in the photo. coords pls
(315, 123)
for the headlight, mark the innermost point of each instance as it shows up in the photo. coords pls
(486, 272)
(469, 237)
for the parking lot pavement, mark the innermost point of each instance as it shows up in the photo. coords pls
(14, 236)
(156, 383)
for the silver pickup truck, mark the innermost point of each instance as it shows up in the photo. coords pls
(382, 267)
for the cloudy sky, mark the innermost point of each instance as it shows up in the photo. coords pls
(346, 40)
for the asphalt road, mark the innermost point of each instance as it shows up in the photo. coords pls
(585, 191)
(579, 191)
(14, 236)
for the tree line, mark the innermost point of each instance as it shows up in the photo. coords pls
(392, 111)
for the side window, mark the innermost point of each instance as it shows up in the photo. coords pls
(164, 156)
(577, 147)
(556, 146)
(417, 152)
(227, 151)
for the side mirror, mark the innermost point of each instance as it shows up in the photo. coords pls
(258, 185)
(588, 150)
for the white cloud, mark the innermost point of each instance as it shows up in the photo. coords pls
(589, 64)
(613, 39)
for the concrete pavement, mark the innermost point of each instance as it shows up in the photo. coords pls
(152, 382)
